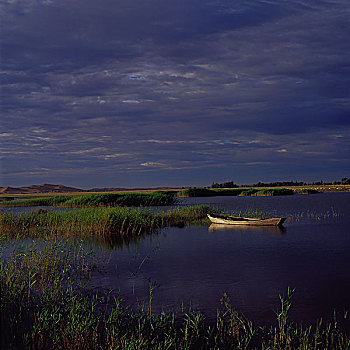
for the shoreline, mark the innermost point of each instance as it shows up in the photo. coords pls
(296, 189)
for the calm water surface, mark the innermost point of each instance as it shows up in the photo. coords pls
(195, 265)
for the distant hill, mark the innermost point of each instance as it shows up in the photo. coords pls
(44, 188)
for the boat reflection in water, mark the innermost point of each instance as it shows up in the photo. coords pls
(223, 227)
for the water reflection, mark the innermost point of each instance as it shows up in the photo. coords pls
(243, 228)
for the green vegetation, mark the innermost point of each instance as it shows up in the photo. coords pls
(44, 306)
(196, 192)
(6, 199)
(205, 192)
(228, 192)
(228, 184)
(249, 192)
(345, 181)
(274, 192)
(134, 199)
(98, 222)
(307, 191)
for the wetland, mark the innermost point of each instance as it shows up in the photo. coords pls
(162, 276)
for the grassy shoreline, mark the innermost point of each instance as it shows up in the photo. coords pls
(157, 198)
(97, 199)
(43, 306)
(40, 198)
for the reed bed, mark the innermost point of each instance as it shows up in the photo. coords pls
(100, 222)
(43, 306)
(205, 192)
(306, 191)
(274, 192)
(314, 216)
(135, 199)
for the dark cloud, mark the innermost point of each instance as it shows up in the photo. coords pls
(161, 92)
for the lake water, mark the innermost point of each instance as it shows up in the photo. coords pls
(195, 265)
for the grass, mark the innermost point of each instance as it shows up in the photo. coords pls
(135, 199)
(204, 192)
(307, 191)
(6, 198)
(112, 226)
(43, 306)
(100, 222)
(311, 215)
(274, 192)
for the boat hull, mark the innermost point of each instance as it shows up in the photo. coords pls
(226, 220)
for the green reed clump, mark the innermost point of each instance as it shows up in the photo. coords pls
(43, 306)
(274, 192)
(204, 192)
(247, 213)
(249, 192)
(157, 198)
(95, 222)
(306, 191)
(44, 201)
(228, 192)
(33, 274)
(121, 199)
(196, 192)
(87, 221)
(184, 215)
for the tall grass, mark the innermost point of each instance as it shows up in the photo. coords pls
(99, 222)
(157, 198)
(274, 192)
(306, 191)
(43, 306)
(205, 192)
(196, 192)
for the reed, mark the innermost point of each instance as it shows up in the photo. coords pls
(274, 192)
(205, 192)
(196, 192)
(100, 222)
(228, 192)
(43, 306)
(157, 198)
(311, 215)
(306, 191)
(249, 192)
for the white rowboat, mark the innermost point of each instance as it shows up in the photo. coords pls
(237, 220)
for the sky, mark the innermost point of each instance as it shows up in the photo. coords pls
(134, 93)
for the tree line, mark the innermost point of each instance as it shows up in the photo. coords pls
(231, 184)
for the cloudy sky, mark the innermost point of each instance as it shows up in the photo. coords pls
(136, 93)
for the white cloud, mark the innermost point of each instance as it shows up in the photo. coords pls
(153, 164)
(128, 100)
(115, 155)
(7, 134)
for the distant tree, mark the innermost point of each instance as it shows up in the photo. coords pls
(229, 184)
(345, 181)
